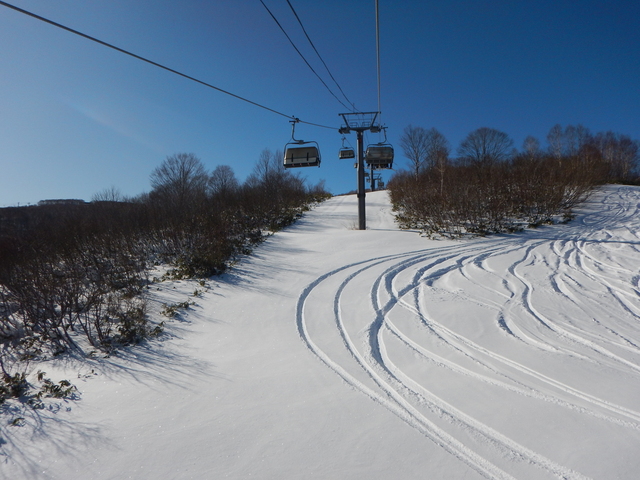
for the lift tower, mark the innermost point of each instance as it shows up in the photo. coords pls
(359, 123)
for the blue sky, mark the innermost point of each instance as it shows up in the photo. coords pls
(77, 118)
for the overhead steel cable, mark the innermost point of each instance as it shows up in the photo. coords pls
(302, 56)
(320, 56)
(121, 50)
(378, 53)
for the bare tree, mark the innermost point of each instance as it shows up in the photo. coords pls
(531, 147)
(567, 142)
(485, 146)
(436, 147)
(414, 145)
(268, 164)
(180, 180)
(583, 135)
(619, 152)
(555, 140)
(223, 181)
(111, 194)
(437, 153)
(269, 173)
(570, 140)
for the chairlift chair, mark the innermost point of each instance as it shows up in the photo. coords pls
(380, 155)
(303, 154)
(346, 152)
(298, 153)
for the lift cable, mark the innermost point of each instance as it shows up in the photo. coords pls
(378, 54)
(302, 56)
(320, 57)
(93, 39)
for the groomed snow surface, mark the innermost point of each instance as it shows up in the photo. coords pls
(334, 353)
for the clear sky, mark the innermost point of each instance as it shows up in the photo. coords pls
(77, 118)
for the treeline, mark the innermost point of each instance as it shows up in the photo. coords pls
(492, 187)
(72, 276)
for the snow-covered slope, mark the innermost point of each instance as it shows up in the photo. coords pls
(335, 353)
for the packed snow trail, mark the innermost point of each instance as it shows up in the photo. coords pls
(336, 353)
(470, 273)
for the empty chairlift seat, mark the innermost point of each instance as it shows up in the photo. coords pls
(302, 155)
(346, 153)
(379, 156)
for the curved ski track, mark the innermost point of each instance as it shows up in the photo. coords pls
(385, 324)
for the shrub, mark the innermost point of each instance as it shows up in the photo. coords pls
(73, 273)
(480, 199)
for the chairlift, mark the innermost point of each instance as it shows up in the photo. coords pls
(346, 152)
(380, 155)
(298, 153)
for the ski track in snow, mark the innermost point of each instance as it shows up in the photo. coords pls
(534, 295)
